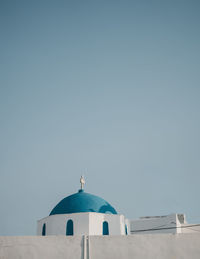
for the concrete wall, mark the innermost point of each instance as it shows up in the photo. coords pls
(50, 247)
(165, 246)
(160, 246)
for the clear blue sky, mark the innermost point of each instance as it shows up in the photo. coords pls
(108, 89)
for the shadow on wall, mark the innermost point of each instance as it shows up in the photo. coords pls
(107, 209)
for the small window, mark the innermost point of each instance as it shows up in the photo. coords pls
(44, 230)
(126, 231)
(70, 228)
(105, 228)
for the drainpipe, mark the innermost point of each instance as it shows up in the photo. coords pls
(84, 247)
(88, 247)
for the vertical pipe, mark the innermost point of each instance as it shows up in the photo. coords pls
(88, 247)
(84, 247)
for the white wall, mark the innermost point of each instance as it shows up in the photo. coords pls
(190, 228)
(165, 246)
(88, 223)
(50, 247)
(115, 222)
(167, 224)
(160, 246)
(56, 224)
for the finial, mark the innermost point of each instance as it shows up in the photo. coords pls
(82, 181)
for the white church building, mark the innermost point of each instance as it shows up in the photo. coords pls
(83, 214)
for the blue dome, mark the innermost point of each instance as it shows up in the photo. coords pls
(82, 202)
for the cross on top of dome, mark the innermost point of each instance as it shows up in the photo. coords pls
(82, 181)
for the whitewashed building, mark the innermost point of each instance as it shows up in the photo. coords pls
(83, 214)
(172, 223)
(87, 214)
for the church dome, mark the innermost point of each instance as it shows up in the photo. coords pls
(82, 202)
